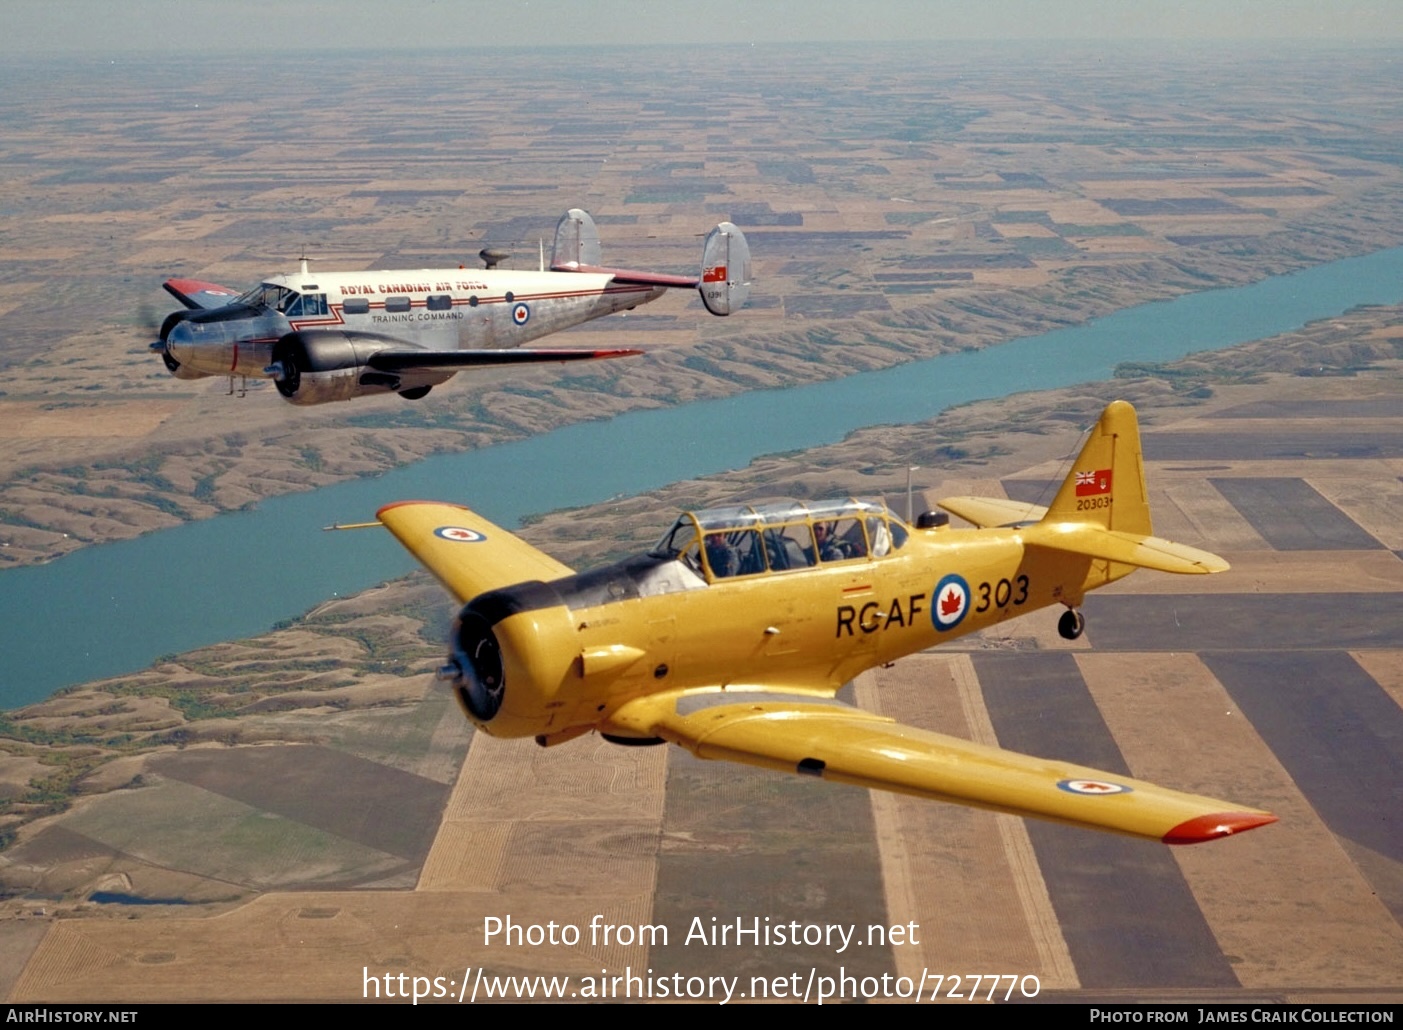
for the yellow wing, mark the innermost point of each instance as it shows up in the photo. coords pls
(813, 736)
(468, 554)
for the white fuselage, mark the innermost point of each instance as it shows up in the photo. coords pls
(435, 309)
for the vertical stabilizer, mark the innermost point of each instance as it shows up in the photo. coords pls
(725, 274)
(1106, 486)
(576, 241)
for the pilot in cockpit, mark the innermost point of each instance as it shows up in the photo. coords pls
(721, 556)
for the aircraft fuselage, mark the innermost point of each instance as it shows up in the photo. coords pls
(435, 309)
(577, 648)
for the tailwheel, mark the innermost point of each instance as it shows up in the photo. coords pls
(1071, 625)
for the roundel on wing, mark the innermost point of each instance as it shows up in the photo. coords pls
(521, 314)
(951, 602)
(459, 534)
(1094, 788)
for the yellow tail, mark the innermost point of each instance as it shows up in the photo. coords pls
(1106, 486)
(1102, 509)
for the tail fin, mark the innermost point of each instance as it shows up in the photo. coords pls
(1103, 509)
(725, 274)
(1106, 486)
(576, 241)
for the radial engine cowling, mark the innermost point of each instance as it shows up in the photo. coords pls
(316, 367)
(173, 366)
(475, 667)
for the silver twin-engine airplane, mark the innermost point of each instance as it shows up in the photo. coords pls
(332, 336)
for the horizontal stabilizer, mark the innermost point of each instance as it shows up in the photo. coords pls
(847, 745)
(1145, 552)
(724, 282)
(468, 554)
(629, 277)
(985, 512)
(577, 249)
(198, 295)
(402, 360)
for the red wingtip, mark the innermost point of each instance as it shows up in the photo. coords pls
(1211, 827)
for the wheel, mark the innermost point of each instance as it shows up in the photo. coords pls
(415, 393)
(1071, 624)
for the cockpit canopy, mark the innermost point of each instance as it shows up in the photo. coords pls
(780, 537)
(285, 301)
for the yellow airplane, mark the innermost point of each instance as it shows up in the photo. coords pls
(733, 635)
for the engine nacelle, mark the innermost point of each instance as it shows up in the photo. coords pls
(514, 663)
(317, 367)
(180, 371)
(173, 366)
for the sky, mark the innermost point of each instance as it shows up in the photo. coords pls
(129, 26)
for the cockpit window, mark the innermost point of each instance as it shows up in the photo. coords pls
(737, 553)
(681, 542)
(266, 295)
(839, 539)
(309, 305)
(746, 541)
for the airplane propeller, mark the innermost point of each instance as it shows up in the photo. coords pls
(147, 318)
(475, 666)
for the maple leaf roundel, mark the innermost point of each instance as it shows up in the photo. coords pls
(951, 601)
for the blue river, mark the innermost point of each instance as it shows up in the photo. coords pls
(113, 608)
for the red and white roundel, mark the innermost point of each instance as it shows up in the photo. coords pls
(1093, 787)
(459, 534)
(951, 602)
(521, 314)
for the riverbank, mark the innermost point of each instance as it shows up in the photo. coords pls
(92, 471)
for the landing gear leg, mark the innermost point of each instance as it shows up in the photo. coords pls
(1071, 624)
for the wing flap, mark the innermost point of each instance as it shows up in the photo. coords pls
(402, 360)
(992, 511)
(468, 554)
(847, 745)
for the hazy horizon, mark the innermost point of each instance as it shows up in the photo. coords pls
(253, 26)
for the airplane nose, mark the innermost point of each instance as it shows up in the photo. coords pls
(179, 337)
